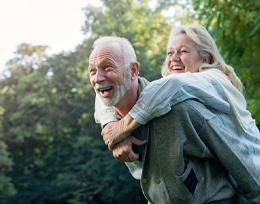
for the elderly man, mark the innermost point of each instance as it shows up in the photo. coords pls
(177, 164)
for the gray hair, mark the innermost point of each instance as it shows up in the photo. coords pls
(124, 46)
(206, 46)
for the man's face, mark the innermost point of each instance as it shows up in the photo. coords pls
(108, 75)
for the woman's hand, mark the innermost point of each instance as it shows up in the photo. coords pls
(114, 132)
(123, 151)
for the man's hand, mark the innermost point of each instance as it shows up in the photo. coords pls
(123, 151)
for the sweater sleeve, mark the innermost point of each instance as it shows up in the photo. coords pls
(237, 153)
(158, 97)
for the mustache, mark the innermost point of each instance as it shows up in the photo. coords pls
(103, 85)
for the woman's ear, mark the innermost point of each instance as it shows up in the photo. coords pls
(208, 59)
(134, 69)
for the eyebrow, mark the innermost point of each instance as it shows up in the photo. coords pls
(100, 63)
(181, 46)
(91, 65)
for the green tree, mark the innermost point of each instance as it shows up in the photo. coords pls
(51, 150)
(6, 164)
(235, 25)
(48, 124)
(145, 28)
(21, 111)
(10, 112)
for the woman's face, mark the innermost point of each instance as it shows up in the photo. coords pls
(183, 55)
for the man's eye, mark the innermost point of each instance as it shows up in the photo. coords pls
(92, 71)
(108, 68)
(169, 53)
(183, 51)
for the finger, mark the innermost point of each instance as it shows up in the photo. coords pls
(118, 153)
(121, 157)
(138, 142)
(113, 141)
(106, 142)
(132, 156)
(112, 144)
(125, 153)
(110, 147)
(129, 156)
(103, 132)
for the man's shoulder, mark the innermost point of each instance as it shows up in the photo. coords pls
(143, 82)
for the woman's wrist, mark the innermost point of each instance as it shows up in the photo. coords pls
(129, 124)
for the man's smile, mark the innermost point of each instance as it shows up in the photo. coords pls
(104, 91)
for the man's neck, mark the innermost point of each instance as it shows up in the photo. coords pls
(127, 101)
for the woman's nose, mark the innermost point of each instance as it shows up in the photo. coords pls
(175, 57)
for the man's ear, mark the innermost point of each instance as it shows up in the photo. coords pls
(134, 69)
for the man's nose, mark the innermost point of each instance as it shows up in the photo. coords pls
(99, 77)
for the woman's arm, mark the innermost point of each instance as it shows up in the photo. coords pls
(114, 132)
(158, 97)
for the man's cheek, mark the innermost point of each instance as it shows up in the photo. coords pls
(91, 80)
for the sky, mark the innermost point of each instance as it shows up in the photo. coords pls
(54, 23)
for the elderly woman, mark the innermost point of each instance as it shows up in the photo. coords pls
(193, 69)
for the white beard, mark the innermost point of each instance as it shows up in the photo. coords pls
(120, 90)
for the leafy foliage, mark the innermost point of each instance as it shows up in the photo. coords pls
(56, 147)
(147, 30)
(236, 27)
(51, 150)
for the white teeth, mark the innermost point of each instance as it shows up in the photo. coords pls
(102, 89)
(175, 67)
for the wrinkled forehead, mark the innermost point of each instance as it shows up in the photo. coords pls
(180, 41)
(112, 50)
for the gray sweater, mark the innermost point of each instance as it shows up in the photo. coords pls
(191, 158)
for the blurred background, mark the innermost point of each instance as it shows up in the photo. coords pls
(51, 150)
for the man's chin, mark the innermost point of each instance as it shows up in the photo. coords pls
(116, 98)
(108, 102)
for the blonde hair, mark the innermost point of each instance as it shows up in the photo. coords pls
(206, 46)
